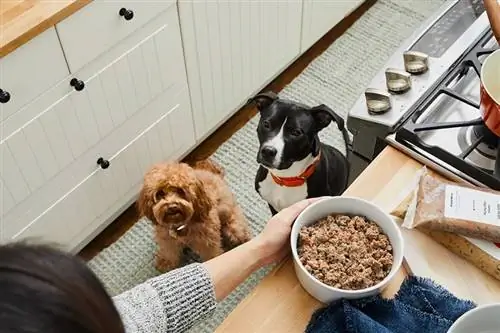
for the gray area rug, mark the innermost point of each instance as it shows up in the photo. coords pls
(336, 78)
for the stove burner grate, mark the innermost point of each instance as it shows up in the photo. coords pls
(408, 133)
(484, 135)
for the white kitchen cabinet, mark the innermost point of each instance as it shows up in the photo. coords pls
(319, 16)
(49, 149)
(232, 49)
(55, 137)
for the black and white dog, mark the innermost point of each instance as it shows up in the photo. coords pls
(294, 164)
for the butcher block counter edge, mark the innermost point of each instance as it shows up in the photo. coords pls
(23, 20)
(278, 303)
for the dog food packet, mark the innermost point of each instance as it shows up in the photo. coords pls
(438, 204)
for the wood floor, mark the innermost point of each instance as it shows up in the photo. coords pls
(210, 145)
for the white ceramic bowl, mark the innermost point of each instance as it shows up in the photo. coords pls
(483, 319)
(349, 206)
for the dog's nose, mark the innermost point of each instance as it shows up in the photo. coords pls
(172, 210)
(268, 152)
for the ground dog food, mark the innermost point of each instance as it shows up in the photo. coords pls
(345, 252)
(441, 205)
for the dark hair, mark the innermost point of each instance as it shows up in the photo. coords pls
(46, 290)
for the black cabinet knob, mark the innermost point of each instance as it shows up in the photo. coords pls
(126, 13)
(4, 96)
(103, 163)
(77, 84)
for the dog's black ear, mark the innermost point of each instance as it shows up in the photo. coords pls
(263, 100)
(323, 115)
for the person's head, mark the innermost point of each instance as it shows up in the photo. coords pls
(46, 290)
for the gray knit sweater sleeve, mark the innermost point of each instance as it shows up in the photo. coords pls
(172, 302)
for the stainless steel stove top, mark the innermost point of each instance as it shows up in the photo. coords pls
(448, 109)
(428, 93)
(446, 125)
(444, 37)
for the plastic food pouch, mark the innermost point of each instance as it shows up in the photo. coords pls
(441, 205)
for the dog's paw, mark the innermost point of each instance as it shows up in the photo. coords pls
(244, 237)
(232, 240)
(209, 165)
(163, 265)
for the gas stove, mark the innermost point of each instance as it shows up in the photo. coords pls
(425, 101)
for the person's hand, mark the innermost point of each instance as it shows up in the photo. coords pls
(231, 268)
(274, 241)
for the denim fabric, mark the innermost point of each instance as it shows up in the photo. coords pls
(420, 306)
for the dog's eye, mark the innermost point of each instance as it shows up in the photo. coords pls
(180, 192)
(159, 195)
(266, 124)
(296, 132)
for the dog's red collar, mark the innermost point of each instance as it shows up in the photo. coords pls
(297, 180)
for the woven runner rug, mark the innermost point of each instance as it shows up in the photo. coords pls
(336, 78)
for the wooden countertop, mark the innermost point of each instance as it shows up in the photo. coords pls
(20, 21)
(279, 304)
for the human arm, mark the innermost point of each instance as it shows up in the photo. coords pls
(171, 302)
(271, 245)
(493, 11)
(175, 301)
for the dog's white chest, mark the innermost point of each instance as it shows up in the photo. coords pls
(281, 197)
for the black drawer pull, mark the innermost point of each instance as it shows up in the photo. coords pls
(103, 163)
(126, 13)
(4, 96)
(77, 84)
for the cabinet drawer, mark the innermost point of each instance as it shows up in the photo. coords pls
(167, 138)
(30, 70)
(98, 26)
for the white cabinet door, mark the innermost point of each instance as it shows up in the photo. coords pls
(319, 16)
(232, 49)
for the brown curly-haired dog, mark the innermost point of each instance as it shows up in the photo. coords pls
(191, 207)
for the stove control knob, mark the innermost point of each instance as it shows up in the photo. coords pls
(397, 81)
(416, 62)
(377, 101)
